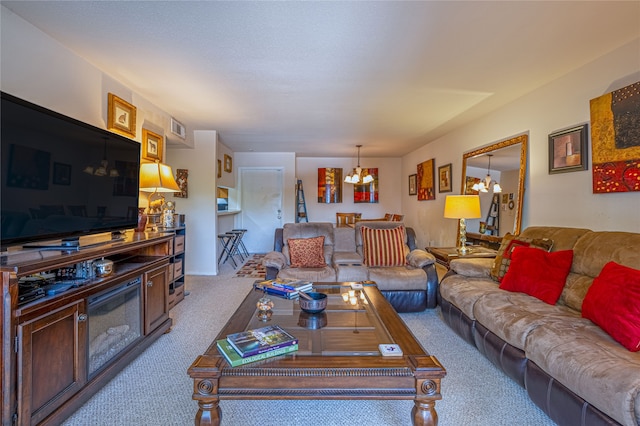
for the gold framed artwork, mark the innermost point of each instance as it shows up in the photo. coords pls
(615, 145)
(228, 163)
(121, 116)
(426, 180)
(219, 169)
(151, 146)
(444, 178)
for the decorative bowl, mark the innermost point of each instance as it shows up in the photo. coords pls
(317, 305)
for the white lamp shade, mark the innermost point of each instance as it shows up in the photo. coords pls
(157, 177)
(462, 207)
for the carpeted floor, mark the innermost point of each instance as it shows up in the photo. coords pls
(252, 268)
(156, 390)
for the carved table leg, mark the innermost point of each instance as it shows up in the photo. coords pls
(209, 413)
(424, 413)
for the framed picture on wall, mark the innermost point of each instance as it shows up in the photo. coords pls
(413, 184)
(121, 116)
(151, 146)
(426, 180)
(568, 150)
(444, 178)
(219, 168)
(228, 163)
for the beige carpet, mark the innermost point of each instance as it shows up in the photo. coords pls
(156, 390)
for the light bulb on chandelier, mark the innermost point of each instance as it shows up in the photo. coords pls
(484, 185)
(356, 175)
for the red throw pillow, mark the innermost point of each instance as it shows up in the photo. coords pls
(307, 252)
(613, 303)
(509, 243)
(538, 273)
(383, 247)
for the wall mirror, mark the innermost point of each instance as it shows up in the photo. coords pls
(496, 173)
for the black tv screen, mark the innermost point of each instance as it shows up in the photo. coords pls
(51, 182)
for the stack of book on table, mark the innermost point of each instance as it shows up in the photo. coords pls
(283, 287)
(257, 344)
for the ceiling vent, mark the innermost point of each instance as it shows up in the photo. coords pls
(178, 128)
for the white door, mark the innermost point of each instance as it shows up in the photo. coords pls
(261, 198)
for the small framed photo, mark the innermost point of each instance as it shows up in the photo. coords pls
(568, 150)
(151, 146)
(219, 169)
(444, 178)
(121, 116)
(413, 184)
(61, 174)
(228, 163)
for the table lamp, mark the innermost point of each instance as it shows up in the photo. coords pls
(462, 207)
(157, 177)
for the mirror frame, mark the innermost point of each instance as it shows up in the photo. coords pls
(521, 139)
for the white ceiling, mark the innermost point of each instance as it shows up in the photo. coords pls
(317, 78)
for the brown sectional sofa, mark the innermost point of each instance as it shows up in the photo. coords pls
(570, 367)
(409, 288)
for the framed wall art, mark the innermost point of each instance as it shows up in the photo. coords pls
(426, 180)
(568, 150)
(219, 169)
(329, 185)
(444, 178)
(228, 163)
(182, 179)
(367, 192)
(615, 140)
(61, 174)
(413, 184)
(121, 116)
(151, 146)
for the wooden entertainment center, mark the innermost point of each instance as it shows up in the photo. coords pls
(60, 349)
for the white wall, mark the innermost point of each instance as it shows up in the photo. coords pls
(555, 200)
(389, 196)
(200, 206)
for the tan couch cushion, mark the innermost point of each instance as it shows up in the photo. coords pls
(512, 316)
(584, 358)
(590, 253)
(464, 292)
(399, 278)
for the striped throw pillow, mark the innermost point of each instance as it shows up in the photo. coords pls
(383, 247)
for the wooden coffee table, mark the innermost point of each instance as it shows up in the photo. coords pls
(338, 358)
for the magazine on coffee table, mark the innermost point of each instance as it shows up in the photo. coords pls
(260, 340)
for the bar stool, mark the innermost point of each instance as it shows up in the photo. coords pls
(226, 241)
(235, 246)
(241, 242)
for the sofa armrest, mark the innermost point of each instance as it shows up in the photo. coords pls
(420, 258)
(274, 259)
(475, 267)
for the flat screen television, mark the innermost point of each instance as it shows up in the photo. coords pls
(52, 186)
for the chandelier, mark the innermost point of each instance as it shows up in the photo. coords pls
(356, 175)
(103, 169)
(484, 185)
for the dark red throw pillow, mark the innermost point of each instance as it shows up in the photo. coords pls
(613, 303)
(538, 273)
